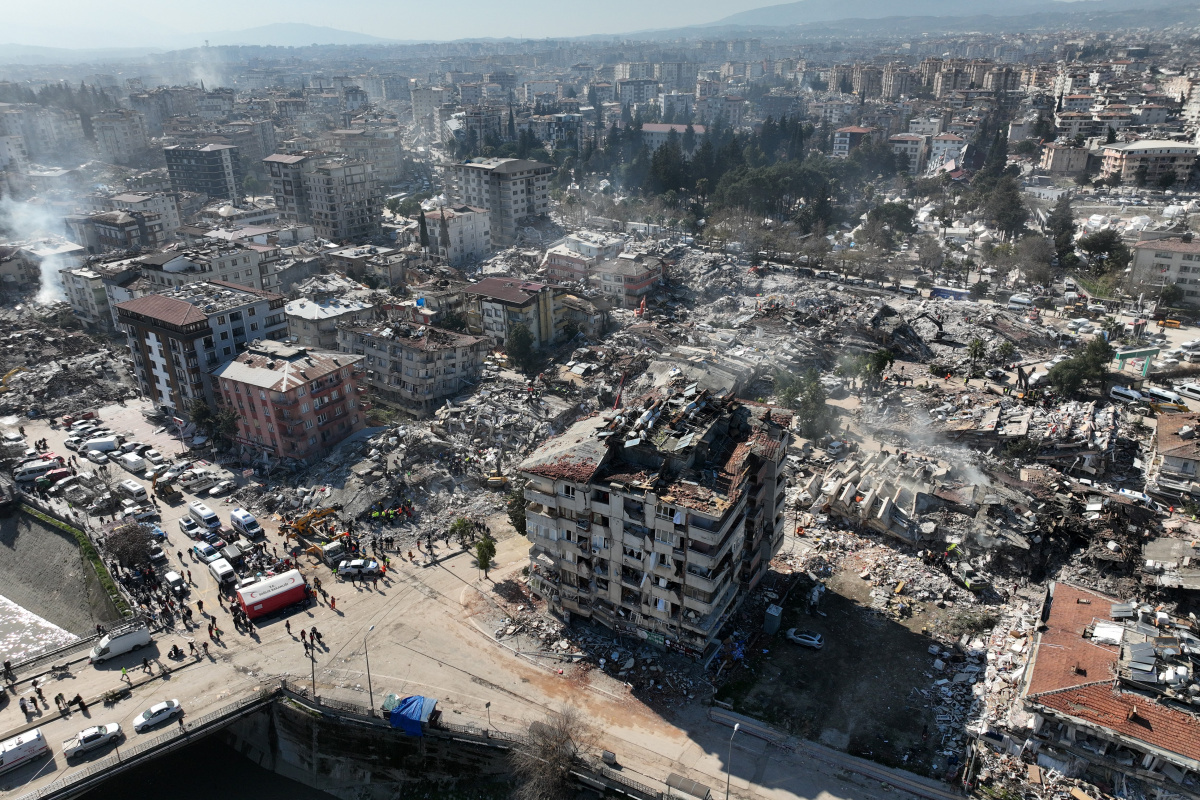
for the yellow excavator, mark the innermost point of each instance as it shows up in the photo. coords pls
(7, 375)
(304, 524)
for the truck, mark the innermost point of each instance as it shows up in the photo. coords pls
(90, 739)
(332, 553)
(105, 444)
(269, 596)
(168, 492)
(21, 750)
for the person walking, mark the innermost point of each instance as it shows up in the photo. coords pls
(332, 603)
(303, 635)
(288, 627)
(146, 666)
(125, 675)
(199, 603)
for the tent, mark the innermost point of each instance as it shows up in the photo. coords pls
(412, 714)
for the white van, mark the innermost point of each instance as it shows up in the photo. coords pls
(133, 489)
(222, 571)
(244, 523)
(105, 444)
(205, 517)
(1020, 302)
(33, 471)
(120, 643)
(21, 750)
(1124, 394)
(132, 462)
(196, 479)
(1161, 395)
(1191, 390)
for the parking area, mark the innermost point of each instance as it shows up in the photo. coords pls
(128, 421)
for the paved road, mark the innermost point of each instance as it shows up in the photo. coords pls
(424, 641)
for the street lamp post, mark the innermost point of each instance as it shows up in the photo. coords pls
(729, 761)
(367, 656)
(488, 706)
(312, 663)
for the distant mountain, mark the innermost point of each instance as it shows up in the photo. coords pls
(807, 12)
(288, 34)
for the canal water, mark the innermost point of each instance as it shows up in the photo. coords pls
(24, 633)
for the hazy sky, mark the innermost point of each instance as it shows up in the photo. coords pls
(84, 23)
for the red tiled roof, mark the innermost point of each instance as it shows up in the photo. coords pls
(1062, 647)
(170, 310)
(1128, 714)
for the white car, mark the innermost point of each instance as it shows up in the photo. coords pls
(154, 457)
(222, 488)
(96, 457)
(205, 552)
(157, 714)
(806, 638)
(1058, 359)
(72, 442)
(90, 739)
(154, 471)
(1077, 323)
(359, 566)
(188, 527)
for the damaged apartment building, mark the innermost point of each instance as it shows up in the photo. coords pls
(1105, 690)
(657, 518)
(415, 368)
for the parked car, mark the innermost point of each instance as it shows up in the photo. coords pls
(213, 538)
(154, 457)
(1125, 394)
(157, 714)
(188, 527)
(90, 739)
(205, 552)
(130, 447)
(806, 638)
(358, 566)
(222, 488)
(996, 374)
(96, 457)
(157, 554)
(72, 442)
(154, 471)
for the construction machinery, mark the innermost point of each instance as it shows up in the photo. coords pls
(1158, 407)
(9, 374)
(304, 525)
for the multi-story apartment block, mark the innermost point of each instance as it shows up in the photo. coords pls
(13, 155)
(626, 280)
(897, 81)
(867, 80)
(1148, 160)
(944, 148)
(86, 291)
(847, 138)
(380, 147)
(415, 369)
(48, 132)
(291, 402)
(460, 234)
(497, 305)
(105, 231)
(636, 91)
(1173, 260)
(248, 265)
(339, 197)
(1061, 159)
(910, 149)
(120, 135)
(656, 134)
(314, 322)
(425, 104)
(513, 191)
(651, 519)
(177, 337)
(211, 169)
(164, 102)
(164, 205)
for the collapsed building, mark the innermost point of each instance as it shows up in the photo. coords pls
(651, 519)
(1103, 690)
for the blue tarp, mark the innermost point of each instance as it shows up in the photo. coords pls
(411, 714)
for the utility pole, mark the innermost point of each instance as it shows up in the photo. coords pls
(367, 656)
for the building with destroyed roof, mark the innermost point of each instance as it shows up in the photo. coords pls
(1109, 693)
(1176, 445)
(656, 519)
(340, 197)
(178, 336)
(86, 290)
(626, 280)
(314, 322)
(250, 265)
(106, 231)
(415, 368)
(291, 402)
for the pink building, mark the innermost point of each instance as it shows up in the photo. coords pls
(292, 402)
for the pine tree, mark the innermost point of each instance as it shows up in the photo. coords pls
(1061, 227)
(424, 230)
(444, 234)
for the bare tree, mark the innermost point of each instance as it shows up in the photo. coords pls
(129, 543)
(544, 761)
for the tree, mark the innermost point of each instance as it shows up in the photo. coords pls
(485, 551)
(520, 347)
(461, 530)
(201, 414)
(1111, 136)
(1140, 175)
(1166, 180)
(543, 762)
(1090, 366)
(1006, 351)
(252, 185)
(1007, 208)
(1026, 147)
(878, 362)
(444, 234)
(423, 229)
(1036, 255)
(976, 350)
(453, 321)
(129, 543)
(1170, 296)
(979, 290)
(929, 253)
(1105, 251)
(1061, 227)
(807, 397)
(515, 505)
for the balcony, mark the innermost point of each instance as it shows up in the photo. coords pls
(541, 497)
(283, 401)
